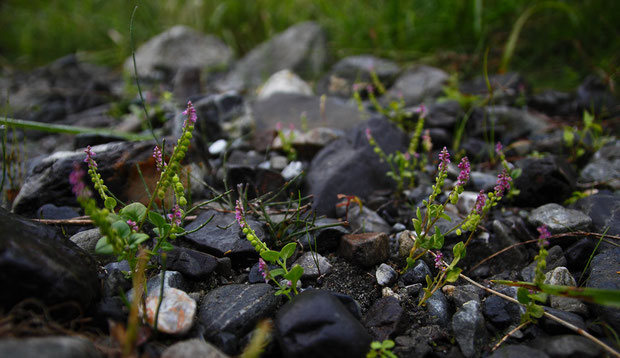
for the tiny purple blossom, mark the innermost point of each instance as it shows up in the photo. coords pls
(190, 112)
(480, 201)
(263, 269)
(159, 161)
(357, 87)
(77, 184)
(370, 89)
(408, 156)
(132, 225)
(279, 126)
(421, 110)
(239, 214)
(465, 169)
(498, 148)
(368, 134)
(291, 126)
(89, 157)
(444, 159)
(175, 216)
(544, 235)
(438, 257)
(503, 183)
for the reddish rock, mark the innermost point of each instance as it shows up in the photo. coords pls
(365, 249)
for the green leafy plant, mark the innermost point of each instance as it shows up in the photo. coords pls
(587, 140)
(381, 349)
(287, 140)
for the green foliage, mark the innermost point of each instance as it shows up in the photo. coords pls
(590, 137)
(381, 349)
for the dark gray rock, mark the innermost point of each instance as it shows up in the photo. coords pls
(49, 347)
(235, 310)
(500, 312)
(468, 327)
(193, 348)
(363, 220)
(417, 85)
(604, 209)
(559, 219)
(350, 166)
(37, 262)
(115, 283)
(191, 263)
(365, 249)
(216, 240)
(554, 259)
(552, 327)
(568, 345)
(561, 276)
(505, 236)
(482, 181)
(87, 240)
(316, 324)
(603, 274)
(509, 123)
(443, 115)
(506, 87)
(314, 264)
(593, 94)
(324, 239)
(384, 319)
(438, 307)
(464, 293)
(178, 47)
(545, 180)
(518, 351)
(553, 103)
(357, 69)
(417, 273)
(300, 48)
(48, 179)
(51, 211)
(215, 113)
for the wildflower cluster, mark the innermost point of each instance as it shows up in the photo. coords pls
(108, 202)
(540, 259)
(291, 277)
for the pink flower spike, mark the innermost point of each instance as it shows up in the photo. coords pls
(503, 183)
(480, 201)
(544, 235)
(239, 214)
(291, 126)
(368, 134)
(132, 225)
(159, 161)
(465, 170)
(444, 158)
(421, 110)
(176, 215)
(89, 157)
(263, 269)
(438, 257)
(190, 112)
(498, 148)
(77, 184)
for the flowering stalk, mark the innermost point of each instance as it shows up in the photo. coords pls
(108, 202)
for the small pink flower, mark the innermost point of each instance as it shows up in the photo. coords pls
(370, 89)
(438, 264)
(159, 161)
(503, 183)
(76, 180)
(444, 159)
(408, 156)
(498, 148)
(175, 216)
(421, 110)
(132, 225)
(89, 157)
(465, 169)
(263, 269)
(368, 134)
(544, 235)
(239, 214)
(480, 201)
(190, 112)
(357, 87)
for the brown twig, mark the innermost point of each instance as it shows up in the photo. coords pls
(512, 331)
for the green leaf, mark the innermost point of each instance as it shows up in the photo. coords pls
(294, 274)
(134, 212)
(429, 281)
(537, 311)
(453, 274)
(121, 228)
(418, 213)
(417, 226)
(523, 295)
(104, 247)
(270, 255)
(166, 246)
(445, 216)
(288, 250)
(276, 272)
(375, 345)
(438, 239)
(156, 219)
(109, 203)
(457, 250)
(137, 238)
(388, 344)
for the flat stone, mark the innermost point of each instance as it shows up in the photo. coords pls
(314, 264)
(233, 310)
(317, 324)
(569, 345)
(603, 274)
(284, 81)
(193, 348)
(176, 312)
(364, 219)
(417, 273)
(191, 263)
(49, 347)
(468, 327)
(384, 318)
(559, 219)
(217, 241)
(438, 307)
(87, 240)
(544, 180)
(417, 85)
(500, 312)
(604, 210)
(518, 351)
(464, 293)
(365, 249)
(172, 279)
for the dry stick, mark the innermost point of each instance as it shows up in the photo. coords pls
(582, 233)
(512, 331)
(83, 222)
(548, 315)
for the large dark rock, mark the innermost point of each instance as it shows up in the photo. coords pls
(317, 324)
(417, 85)
(36, 262)
(176, 48)
(508, 123)
(229, 312)
(350, 166)
(222, 235)
(300, 48)
(385, 318)
(593, 94)
(214, 113)
(603, 274)
(48, 179)
(469, 330)
(500, 312)
(191, 263)
(604, 209)
(506, 87)
(545, 180)
(518, 351)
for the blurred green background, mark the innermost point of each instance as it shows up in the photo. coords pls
(559, 43)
